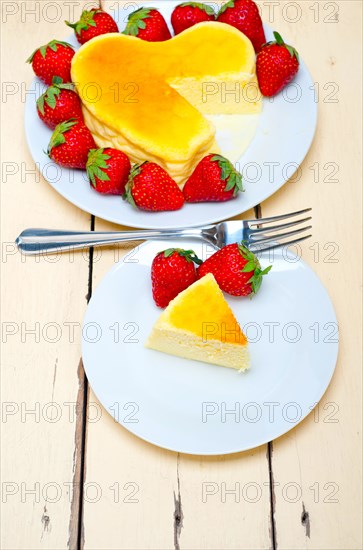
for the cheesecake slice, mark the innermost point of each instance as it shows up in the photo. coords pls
(199, 324)
(148, 98)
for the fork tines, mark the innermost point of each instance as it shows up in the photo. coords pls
(262, 237)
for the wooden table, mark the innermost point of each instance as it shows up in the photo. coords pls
(71, 476)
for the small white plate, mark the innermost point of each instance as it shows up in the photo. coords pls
(284, 134)
(203, 409)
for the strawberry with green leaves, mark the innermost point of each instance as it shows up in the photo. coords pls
(108, 170)
(93, 23)
(188, 14)
(59, 103)
(70, 144)
(214, 180)
(52, 59)
(244, 16)
(147, 24)
(150, 188)
(276, 66)
(172, 271)
(236, 270)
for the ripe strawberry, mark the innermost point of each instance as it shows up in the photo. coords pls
(53, 59)
(151, 188)
(172, 271)
(190, 13)
(214, 179)
(108, 170)
(148, 24)
(244, 15)
(93, 23)
(276, 65)
(236, 270)
(70, 144)
(59, 103)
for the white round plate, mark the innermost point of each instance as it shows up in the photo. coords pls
(284, 134)
(197, 408)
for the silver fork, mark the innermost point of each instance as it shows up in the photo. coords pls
(258, 235)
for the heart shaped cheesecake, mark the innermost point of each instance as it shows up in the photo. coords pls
(148, 98)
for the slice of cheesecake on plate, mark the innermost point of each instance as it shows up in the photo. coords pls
(199, 324)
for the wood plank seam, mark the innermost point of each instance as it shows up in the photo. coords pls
(75, 521)
(258, 213)
(76, 527)
(305, 520)
(272, 496)
(178, 510)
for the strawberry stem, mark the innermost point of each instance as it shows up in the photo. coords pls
(253, 266)
(189, 255)
(58, 134)
(50, 95)
(225, 6)
(136, 21)
(279, 39)
(86, 21)
(53, 45)
(280, 42)
(135, 171)
(95, 162)
(208, 9)
(229, 174)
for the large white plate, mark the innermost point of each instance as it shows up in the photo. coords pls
(285, 132)
(194, 407)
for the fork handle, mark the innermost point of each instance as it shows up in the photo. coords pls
(33, 242)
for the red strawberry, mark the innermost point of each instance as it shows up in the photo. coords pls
(244, 15)
(148, 24)
(236, 270)
(151, 188)
(70, 144)
(172, 271)
(93, 23)
(108, 169)
(190, 13)
(276, 65)
(53, 59)
(59, 103)
(214, 179)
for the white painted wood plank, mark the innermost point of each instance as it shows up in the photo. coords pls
(319, 462)
(39, 369)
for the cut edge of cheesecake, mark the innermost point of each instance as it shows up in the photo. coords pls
(216, 336)
(106, 136)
